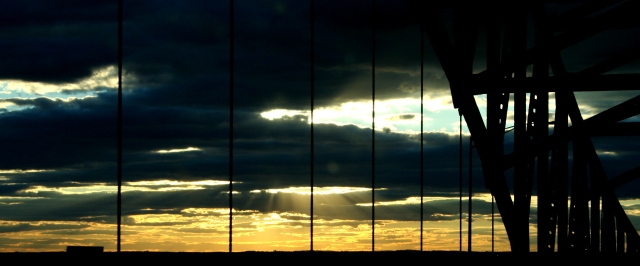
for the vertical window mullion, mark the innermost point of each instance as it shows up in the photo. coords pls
(231, 59)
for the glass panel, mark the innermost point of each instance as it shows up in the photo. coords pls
(58, 118)
(343, 126)
(175, 178)
(271, 130)
(397, 139)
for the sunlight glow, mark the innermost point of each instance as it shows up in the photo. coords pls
(212, 211)
(283, 113)
(608, 153)
(106, 77)
(316, 190)
(401, 115)
(188, 149)
(178, 183)
(141, 186)
(20, 171)
(408, 201)
(19, 198)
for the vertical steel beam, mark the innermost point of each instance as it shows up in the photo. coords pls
(497, 106)
(558, 181)
(608, 241)
(579, 210)
(559, 169)
(460, 179)
(465, 37)
(495, 125)
(595, 212)
(470, 215)
(521, 138)
(460, 28)
(631, 244)
(546, 214)
(599, 181)
(558, 176)
(620, 236)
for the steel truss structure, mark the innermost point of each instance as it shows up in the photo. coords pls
(594, 220)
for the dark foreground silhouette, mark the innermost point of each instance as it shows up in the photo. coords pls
(396, 258)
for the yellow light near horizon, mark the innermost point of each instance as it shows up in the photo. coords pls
(178, 183)
(206, 229)
(316, 190)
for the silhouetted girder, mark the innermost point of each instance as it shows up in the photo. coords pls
(571, 82)
(629, 21)
(565, 102)
(611, 200)
(620, 236)
(620, 180)
(599, 124)
(453, 59)
(432, 24)
(612, 63)
(612, 204)
(559, 171)
(598, 176)
(577, 17)
(465, 31)
(453, 3)
(546, 227)
(622, 221)
(517, 18)
(579, 213)
(608, 228)
(625, 178)
(497, 106)
(617, 129)
(496, 102)
(614, 114)
(582, 31)
(553, 189)
(599, 179)
(568, 19)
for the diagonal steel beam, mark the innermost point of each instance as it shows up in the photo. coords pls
(583, 30)
(435, 30)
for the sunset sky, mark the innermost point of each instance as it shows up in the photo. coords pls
(58, 121)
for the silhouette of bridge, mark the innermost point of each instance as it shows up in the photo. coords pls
(594, 220)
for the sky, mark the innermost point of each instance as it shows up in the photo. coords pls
(58, 115)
